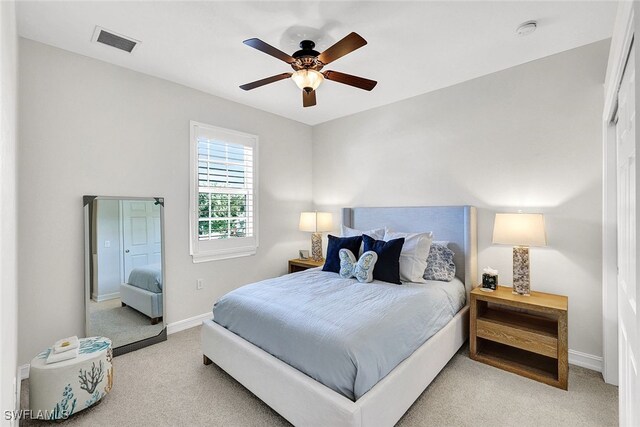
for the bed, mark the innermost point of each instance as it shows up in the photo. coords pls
(310, 399)
(143, 291)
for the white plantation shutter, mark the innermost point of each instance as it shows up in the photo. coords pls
(223, 193)
(225, 190)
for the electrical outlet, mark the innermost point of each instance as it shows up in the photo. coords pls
(107, 243)
(199, 284)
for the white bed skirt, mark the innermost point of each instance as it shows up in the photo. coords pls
(305, 402)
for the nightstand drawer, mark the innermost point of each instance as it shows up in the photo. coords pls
(534, 341)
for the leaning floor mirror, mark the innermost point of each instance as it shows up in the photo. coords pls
(124, 270)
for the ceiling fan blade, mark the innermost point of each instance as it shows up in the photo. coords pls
(348, 79)
(308, 98)
(269, 50)
(266, 81)
(347, 45)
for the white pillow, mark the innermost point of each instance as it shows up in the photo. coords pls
(376, 233)
(413, 258)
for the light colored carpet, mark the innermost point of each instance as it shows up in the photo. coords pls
(123, 325)
(167, 385)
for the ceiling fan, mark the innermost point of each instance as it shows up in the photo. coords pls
(307, 64)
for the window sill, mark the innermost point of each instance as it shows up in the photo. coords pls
(220, 255)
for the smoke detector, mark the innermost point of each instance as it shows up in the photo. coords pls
(526, 28)
(113, 39)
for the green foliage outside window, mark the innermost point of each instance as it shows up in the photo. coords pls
(222, 215)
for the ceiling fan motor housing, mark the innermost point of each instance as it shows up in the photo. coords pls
(306, 57)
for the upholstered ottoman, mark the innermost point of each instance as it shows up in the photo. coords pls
(59, 390)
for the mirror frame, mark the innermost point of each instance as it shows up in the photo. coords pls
(162, 336)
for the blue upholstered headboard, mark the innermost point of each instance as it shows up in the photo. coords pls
(456, 224)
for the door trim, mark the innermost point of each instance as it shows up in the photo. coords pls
(621, 43)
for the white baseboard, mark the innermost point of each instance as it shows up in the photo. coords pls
(191, 322)
(106, 297)
(585, 360)
(23, 372)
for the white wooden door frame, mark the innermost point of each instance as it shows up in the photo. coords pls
(628, 320)
(121, 235)
(620, 44)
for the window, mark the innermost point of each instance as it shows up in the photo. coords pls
(223, 193)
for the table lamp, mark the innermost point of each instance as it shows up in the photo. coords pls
(520, 230)
(316, 223)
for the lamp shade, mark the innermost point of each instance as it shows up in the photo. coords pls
(519, 229)
(316, 222)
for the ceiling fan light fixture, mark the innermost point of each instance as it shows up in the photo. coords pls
(307, 79)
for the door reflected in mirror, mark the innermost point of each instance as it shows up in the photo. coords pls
(125, 277)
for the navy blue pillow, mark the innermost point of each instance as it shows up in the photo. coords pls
(387, 267)
(332, 262)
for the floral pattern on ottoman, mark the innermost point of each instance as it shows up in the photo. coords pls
(93, 344)
(89, 380)
(62, 409)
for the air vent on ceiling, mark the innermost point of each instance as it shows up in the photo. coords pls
(111, 38)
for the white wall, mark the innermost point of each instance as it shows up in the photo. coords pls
(525, 138)
(88, 127)
(108, 265)
(8, 212)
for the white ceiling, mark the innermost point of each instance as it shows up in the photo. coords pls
(414, 47)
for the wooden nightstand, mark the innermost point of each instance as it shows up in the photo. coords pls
(303, 264)
(520, 334)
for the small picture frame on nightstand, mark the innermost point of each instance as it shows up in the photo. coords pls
(304, 254)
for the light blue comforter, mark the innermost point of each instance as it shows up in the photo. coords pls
(148, 277)
(345, 334)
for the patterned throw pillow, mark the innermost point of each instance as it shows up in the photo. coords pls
(362, 269)
(440, 264)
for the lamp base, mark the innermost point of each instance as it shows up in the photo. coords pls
(316, 247)
(521, 280)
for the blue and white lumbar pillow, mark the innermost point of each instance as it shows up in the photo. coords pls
(361, 269)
